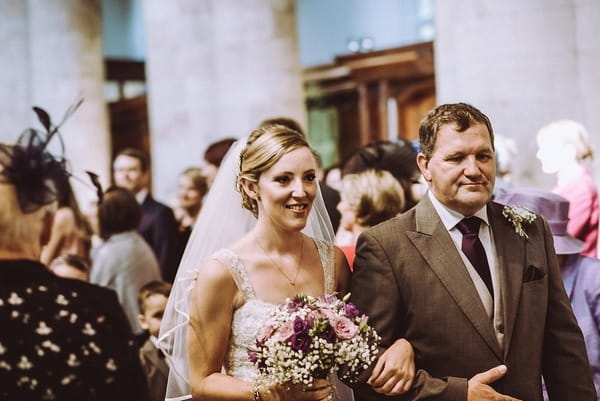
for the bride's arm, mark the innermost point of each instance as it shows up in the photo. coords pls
(213, 301)
(211, 310)
(342, 273)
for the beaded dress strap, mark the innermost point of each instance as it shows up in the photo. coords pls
(327, 256)
(228, 258)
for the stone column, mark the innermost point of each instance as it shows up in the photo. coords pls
(14, 64)
(181, 81)
(524, 64)
(67, 62)
(216, 68)
(587, 15)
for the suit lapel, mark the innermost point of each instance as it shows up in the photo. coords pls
(510, 255)
(435, 245)
(152, 354)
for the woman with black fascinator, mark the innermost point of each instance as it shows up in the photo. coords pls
(61, 339)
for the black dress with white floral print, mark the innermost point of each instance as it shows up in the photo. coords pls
(63, 339)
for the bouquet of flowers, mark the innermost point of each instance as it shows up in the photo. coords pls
(308, 338)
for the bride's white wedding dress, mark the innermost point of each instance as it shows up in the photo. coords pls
(252, 316)
(254, 313)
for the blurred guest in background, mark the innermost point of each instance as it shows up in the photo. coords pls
(563, 148)
(285, 121)
(60, 339)
(124, 262)
(191, 188)
(71, 266)
(157, 224)
(213, 156)
(399, 158)
(368, 198)
(333, 177)
(580, 274)
(71, 232)
(331, 196)
(506, 151)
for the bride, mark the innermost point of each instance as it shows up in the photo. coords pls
(241, 263)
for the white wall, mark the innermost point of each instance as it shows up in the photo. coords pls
(524, 64)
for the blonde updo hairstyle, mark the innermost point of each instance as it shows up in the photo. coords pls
(265, 147)
(374, 195)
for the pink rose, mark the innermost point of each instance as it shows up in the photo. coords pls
(344, 328)
(330, 315)
(316, 314)
(265, 333)
(285, 331)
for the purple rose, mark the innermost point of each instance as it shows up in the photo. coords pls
(296, 303)
(300, 325)
(300, 342)
(350, 310)
(329, 335)
(252, 356)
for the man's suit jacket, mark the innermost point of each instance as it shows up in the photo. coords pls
(411, 281)
(157, 370)
(159, 228)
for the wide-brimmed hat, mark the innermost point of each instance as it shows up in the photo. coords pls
(555, 210)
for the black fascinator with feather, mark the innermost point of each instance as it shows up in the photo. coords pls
(38, 176)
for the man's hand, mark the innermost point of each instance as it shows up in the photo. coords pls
(395, 369)
(478, 389)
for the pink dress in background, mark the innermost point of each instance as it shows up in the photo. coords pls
(583, 211)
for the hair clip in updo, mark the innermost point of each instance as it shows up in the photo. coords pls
(38, 176)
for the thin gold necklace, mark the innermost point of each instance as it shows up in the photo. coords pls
(291, 281)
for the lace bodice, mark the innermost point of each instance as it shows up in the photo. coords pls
(253, 314)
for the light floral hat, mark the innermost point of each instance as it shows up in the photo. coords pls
(554, 208)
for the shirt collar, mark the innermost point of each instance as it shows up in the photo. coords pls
(449, 217)
(140, 196)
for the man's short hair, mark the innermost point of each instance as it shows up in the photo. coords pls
(152, 288)
(136, 154)
(462, 115)
(216, 151)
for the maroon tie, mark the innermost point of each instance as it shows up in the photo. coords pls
(473, 249)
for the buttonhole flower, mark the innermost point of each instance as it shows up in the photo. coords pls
(518, 216)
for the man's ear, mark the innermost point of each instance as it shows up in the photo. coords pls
(146, 177)
(423, 163)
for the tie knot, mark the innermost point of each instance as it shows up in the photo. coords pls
(469, 225)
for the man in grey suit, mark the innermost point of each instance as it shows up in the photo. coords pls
(474, 288)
